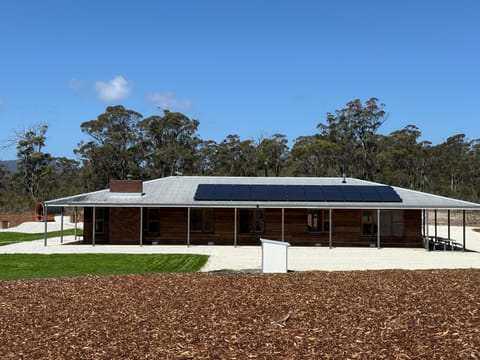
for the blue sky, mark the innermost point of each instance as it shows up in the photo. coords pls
(252, 68)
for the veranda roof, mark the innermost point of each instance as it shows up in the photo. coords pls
(179, 191)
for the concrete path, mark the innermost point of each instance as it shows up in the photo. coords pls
(299, 258)
(249, 257)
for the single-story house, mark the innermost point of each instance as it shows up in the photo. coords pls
(194, 210)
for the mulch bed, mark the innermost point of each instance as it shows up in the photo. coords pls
(314, 315)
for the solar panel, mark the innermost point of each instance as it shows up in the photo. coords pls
(241, 192)
(223, 192)
(300, 193)
(295, 193)
(204, 192)
(352, 194)
(388, 194)
(275, 193)
(333, 193)
(314, 193)
(259, 193)
(370, 194)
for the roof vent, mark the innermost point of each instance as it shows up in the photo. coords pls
(344, 178)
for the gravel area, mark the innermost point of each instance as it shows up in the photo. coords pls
(394, 314)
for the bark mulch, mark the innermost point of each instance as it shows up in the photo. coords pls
(392, 314)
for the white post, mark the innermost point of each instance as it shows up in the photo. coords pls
(378, 228)
(141, 226)
(188, 227)
(45, 214)
(76, 222)
(93, 226)
(61, 226)
(448, 223)
(330, 230)
(427, 245)
(235, 228)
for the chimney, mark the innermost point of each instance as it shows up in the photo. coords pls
(126, 186)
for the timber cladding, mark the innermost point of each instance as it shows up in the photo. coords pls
(124, 225)
(169, 226)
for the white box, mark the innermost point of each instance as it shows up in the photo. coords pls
(274, 256)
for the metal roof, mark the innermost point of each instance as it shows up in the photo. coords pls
(179, 191)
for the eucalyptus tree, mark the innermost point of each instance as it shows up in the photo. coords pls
(314, 156)
(4, 181)
(3, 176)
(115, 149)
(65, 177)
(236, 157)
(206, 159)
(472, 171)
(170, 142)
(32, 161)
(447, 167)
(402, 158)
(272, 154)
(354, 130)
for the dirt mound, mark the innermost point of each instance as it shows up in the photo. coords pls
(13, 220)
(365, 315)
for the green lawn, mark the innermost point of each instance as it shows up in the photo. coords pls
(8, 237)
(23, 266)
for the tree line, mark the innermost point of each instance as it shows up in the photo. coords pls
(123, 144)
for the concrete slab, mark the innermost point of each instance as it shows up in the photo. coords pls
(35, 227)
(299, 258)
(472, 237)
(249, 257)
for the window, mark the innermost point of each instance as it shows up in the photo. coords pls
(318, 221)
(151, 222)
(99, 220)
(391, 223)
(201, 220)
(252, 221)
(369, 222)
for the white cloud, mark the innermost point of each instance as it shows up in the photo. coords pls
(167, 101)
(115, 89)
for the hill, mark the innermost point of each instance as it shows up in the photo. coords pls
(10, 165)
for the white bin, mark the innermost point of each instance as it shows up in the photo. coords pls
(274, 256)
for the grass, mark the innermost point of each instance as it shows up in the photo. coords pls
(8, 237)
(27, 266)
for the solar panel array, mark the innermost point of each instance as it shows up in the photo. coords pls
(327, 193)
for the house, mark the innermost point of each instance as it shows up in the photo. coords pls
(199, 210)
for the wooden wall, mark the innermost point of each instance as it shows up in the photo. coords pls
(124, 226)
(346, 231)
(88, 223)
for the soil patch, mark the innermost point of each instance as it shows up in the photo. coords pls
(13, 220)
(313, 315)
